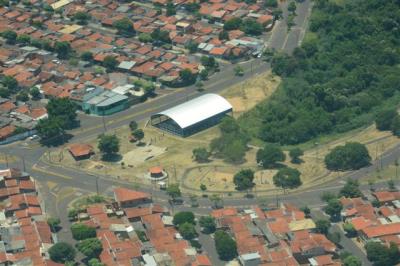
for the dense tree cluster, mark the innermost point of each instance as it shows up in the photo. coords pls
(243, 179)
(287, 178)
(338, 79)
(232, 144)
(382, 255)
(351, 156)
(225, 245)
(249, 26)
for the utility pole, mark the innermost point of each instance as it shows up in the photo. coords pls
(6, 160)
(104, 122)
(97, 185)
(23, 163)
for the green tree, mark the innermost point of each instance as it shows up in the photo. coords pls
(22, 96)
(223, 35)
(351, 189)
(160, 36)
(233, 24)
(352, 261)
(24, 39)
(191, 46)
(333, 209)
(108, 145)
(239, 71)
(203, 187)
(295, 155)
(64, 109)
(384, 118)
(204, 74)
(271, 3)
(171, 11)
(145, 37)
(243, 179)
(50, 130)
(62, 252)
(63, 49)
(138, 134)
(349, 229)
(183, 217)
(187, 77)
(10, 36)
(10, 83)
(87, 56)
(95, 262)
(322, 226)
(82, 17)
(124, 27)
(187, 231)
(82, 231)
(110, 63)
(35, 93)
(292, 7)
(351, 156)
(90, 247)
(268, 156)
(395, 126)
(54, 224)
(207, 224)
(306, 210)
(381, 255)
(287, 178)
(226, 247)
(174, 191)
(201, 155)
(251, 26)
(216, 201)
(327, 196)
(133, 125)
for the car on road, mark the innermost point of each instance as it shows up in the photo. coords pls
(33, 137)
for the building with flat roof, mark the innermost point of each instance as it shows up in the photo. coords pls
(101, 102)
(193, 116)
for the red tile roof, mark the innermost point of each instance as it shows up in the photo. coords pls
(124, 194)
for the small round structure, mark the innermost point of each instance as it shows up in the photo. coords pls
(157, 173)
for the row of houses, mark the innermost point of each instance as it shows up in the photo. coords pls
(134, 231)
(25, 236)
(278, 236)
(374, 223)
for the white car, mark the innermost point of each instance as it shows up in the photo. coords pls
(33, 137)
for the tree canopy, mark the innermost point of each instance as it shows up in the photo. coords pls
(225, 245)
(201, 155)
(124, 26)
(333, 209)
(268, 156)
(351, 156)
(287, 178)
(174, 191)
(187, 231)
(208, 224)
(82, 231)
(62, 252)
(232, 144)
(333, 84)
(351, 189)
(382, 255)
(90, 247)
(243, 179)
(64, 109)
(108, 144)
(183, 217)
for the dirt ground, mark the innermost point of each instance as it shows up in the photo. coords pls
(247, 94)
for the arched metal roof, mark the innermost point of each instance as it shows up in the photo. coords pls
(198, 109)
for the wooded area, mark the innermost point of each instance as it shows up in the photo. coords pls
(338, 80)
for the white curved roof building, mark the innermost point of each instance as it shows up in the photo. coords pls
(193, 116)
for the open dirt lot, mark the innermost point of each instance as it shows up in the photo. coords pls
(247, 94)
